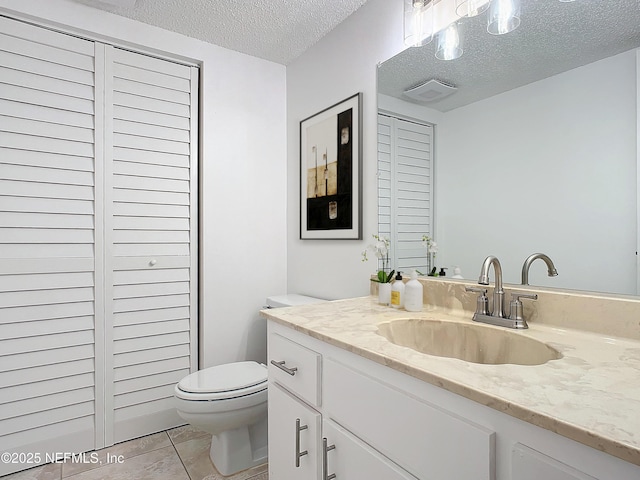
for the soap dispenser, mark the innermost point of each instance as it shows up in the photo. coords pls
(413, 294)
(397, 292)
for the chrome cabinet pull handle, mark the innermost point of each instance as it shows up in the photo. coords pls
(299, 454)
(325, 463)
(280, 365)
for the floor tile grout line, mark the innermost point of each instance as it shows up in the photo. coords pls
(182, 462)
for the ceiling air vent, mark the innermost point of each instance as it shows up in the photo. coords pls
(430, 91)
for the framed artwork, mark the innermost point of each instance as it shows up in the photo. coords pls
(331, 172)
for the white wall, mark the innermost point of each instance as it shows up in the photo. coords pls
(340, 65)
(565, 150)
(242, 174)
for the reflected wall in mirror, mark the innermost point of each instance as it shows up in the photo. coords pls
(537, 150)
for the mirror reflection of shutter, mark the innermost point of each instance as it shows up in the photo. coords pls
(47, 243)
(152, 201)
(385, 148)
(411, 190)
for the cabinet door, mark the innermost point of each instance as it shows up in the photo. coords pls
(294, 437)
(425, 439)
(150, 201)
(49, 295)
(529, 464)
(348, 458)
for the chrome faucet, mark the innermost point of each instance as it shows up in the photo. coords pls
(498, 292)
(498, 316)
(551, 269)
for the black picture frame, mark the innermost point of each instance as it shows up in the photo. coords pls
(331, 172)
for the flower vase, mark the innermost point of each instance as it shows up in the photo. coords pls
(384, 293)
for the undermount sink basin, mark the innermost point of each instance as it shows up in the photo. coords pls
(468, 342)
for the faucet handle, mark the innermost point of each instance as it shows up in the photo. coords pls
(482, 303)
(515, 306)
(518, 296)
(482, 291)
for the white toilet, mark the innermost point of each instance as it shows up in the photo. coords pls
(230, 402)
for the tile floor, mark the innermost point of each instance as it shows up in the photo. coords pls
(178, 454)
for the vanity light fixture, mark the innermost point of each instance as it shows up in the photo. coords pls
(424, 19)
(418, 22)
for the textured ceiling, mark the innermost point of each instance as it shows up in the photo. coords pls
(276, 30)
(552, 38)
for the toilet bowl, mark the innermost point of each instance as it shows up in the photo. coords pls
(230, 402)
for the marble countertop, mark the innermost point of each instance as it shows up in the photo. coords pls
(590, 395)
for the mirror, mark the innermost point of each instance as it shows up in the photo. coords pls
(537, 150)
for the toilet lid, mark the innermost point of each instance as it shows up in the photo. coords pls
(224, 378)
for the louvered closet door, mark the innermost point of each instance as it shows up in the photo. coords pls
(153, 199)
(405, 166)
(48, 244)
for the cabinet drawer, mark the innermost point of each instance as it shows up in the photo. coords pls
(347, 457)
(295, 367)
(425, 440)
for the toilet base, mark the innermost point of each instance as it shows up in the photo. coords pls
(236, 450)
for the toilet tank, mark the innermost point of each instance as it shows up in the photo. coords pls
(291, 299)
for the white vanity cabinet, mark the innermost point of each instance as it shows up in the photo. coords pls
(360, 419)
(328, 421)
(301, 444)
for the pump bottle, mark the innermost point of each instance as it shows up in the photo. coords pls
(413, 292)
(397, 292)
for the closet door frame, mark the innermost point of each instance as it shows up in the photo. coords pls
(100, 327)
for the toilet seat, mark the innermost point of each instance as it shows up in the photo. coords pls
(224, 382)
